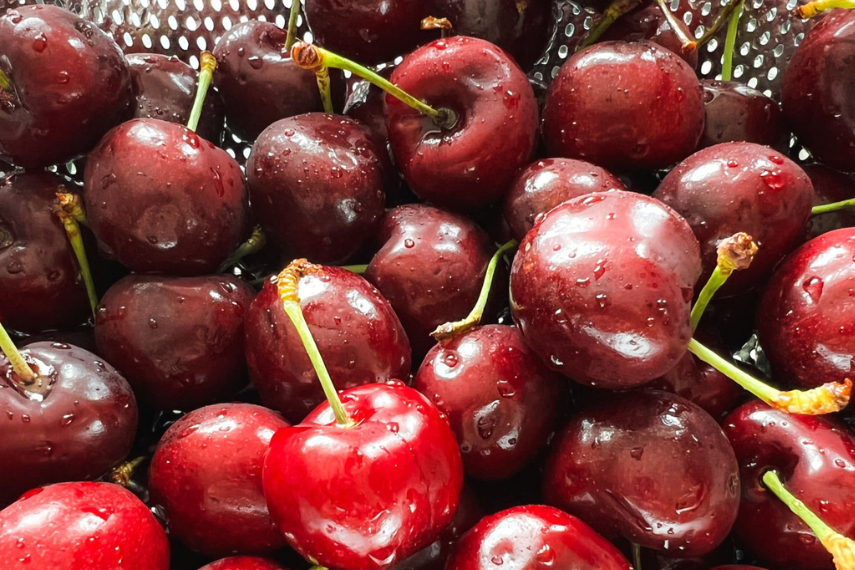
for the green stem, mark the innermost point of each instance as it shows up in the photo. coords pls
(19, 365)
(256, 241)
(317, 567)
(713, 284)
(722, 18)
(610, 15)
(4, 80)
(760, 389)
(774, 484)
(260, 281)
(811, 9)
(207, 65)
(358, 269)
(322, 75)
(292, 24)
(66, 204)
(688, 43)
(833, 207)
(730, 42)
(636, 556)
(122, 474)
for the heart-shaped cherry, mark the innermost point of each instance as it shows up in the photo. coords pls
(242, 563)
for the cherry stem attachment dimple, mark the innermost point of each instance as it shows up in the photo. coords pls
(313, 58)
(66, 204)
(841, 548)
(811, 9)
(19, 365)
(207, 65)
(721, 19)
(452, 329)
(287, 285)
(358, 269)
(687, 42)
(734, 253)
(730, 41)
(254, 243)
(832, 207)
(292, 24)
(609, 16)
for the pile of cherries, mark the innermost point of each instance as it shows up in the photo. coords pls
(437, 319)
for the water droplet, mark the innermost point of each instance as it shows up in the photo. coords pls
(62, 77)
(636, 452)
(66, 420)
(497, 560)
(39, 43)
(506, 389)
(409, 244)
(773, 179)
(813, 287)
(450, 359)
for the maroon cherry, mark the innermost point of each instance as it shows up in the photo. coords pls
(531, 538)
(624, 105)
(547, 183)
(736, 112)
(178, 340)
(648, 466)
(206, 474)
(81, 525)
(649, 23)
(316, 183)
(601, 287)
(830, 186)
(63, 84)
(242, 563)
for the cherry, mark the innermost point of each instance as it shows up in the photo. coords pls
(81, 525)
(63, 84)
(829, 186)
(816, 459)
(356, 330)
(178, 340)
(242, 563)
(501, 401)
(658, 560)
(624, 105)
(547, 183)
(650, 23)
(736, 112)
(648, 466)
(534, 537)
(741, 187)
(600, 288)
(316, 183)
(66, 415)
(40, 284)
(258, 80)
(456, 251)
(206, 474)
(164, 87)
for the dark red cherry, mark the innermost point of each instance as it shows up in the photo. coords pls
(815, 458)
(164, 87)
(316, 183)
(736, 112)
(258, 81)
(472, 163)
(547, 183)
(659, 560)
(365, 496)
(830, 186)
(624, 105)
(741, 187)
(178, 340)
(75, 422)
(184, 215)
(648, 466)
(354, 326)
(68, 84)
(532, 538)
(814, 95)
(804, 321)
(206, 474)
(456, 251)
(601, 288)
(81, 525)
(501, 401)
(242, 563)
(81, 337)
(40, 283)
(649, 23)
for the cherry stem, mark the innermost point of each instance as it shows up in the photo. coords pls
(318, 567)
(730, 41)
(322, 76)
(832, 207)
(841, 548)
(734, 253)
(122, 474)
(811, 9)
(66, 204)
(636, 556)
(288, 282)
(256, 241)
(312, 57)
(610, 15)
(452, 329)
(722, 18)
(292, 24)
(441, 24)
(358, 269)
(688, 43)
(4, 80)
(207, 65)
(826, 399)
(19, 365)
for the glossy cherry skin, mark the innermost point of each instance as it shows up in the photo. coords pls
(206, 474)
(316, 183)
(815, 91)
(741, 187)
(40, 284)
(804, 322)
(649, 23)
(69, 85)
(80, 426)
(164, 87)
(258, 81)
(830, 186)
(354, 326)
(501, 401)
(81, 525)
(178, 340)
(456, 251)
(736, 112)
(184, 216)
(815, 458)
(601, 286)
(534, 538)
(547, 183)
(242, 563)
(471, 164)
(367, 496)
(648, 466)
(624, 105)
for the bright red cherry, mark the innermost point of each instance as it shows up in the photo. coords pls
(242, 563)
